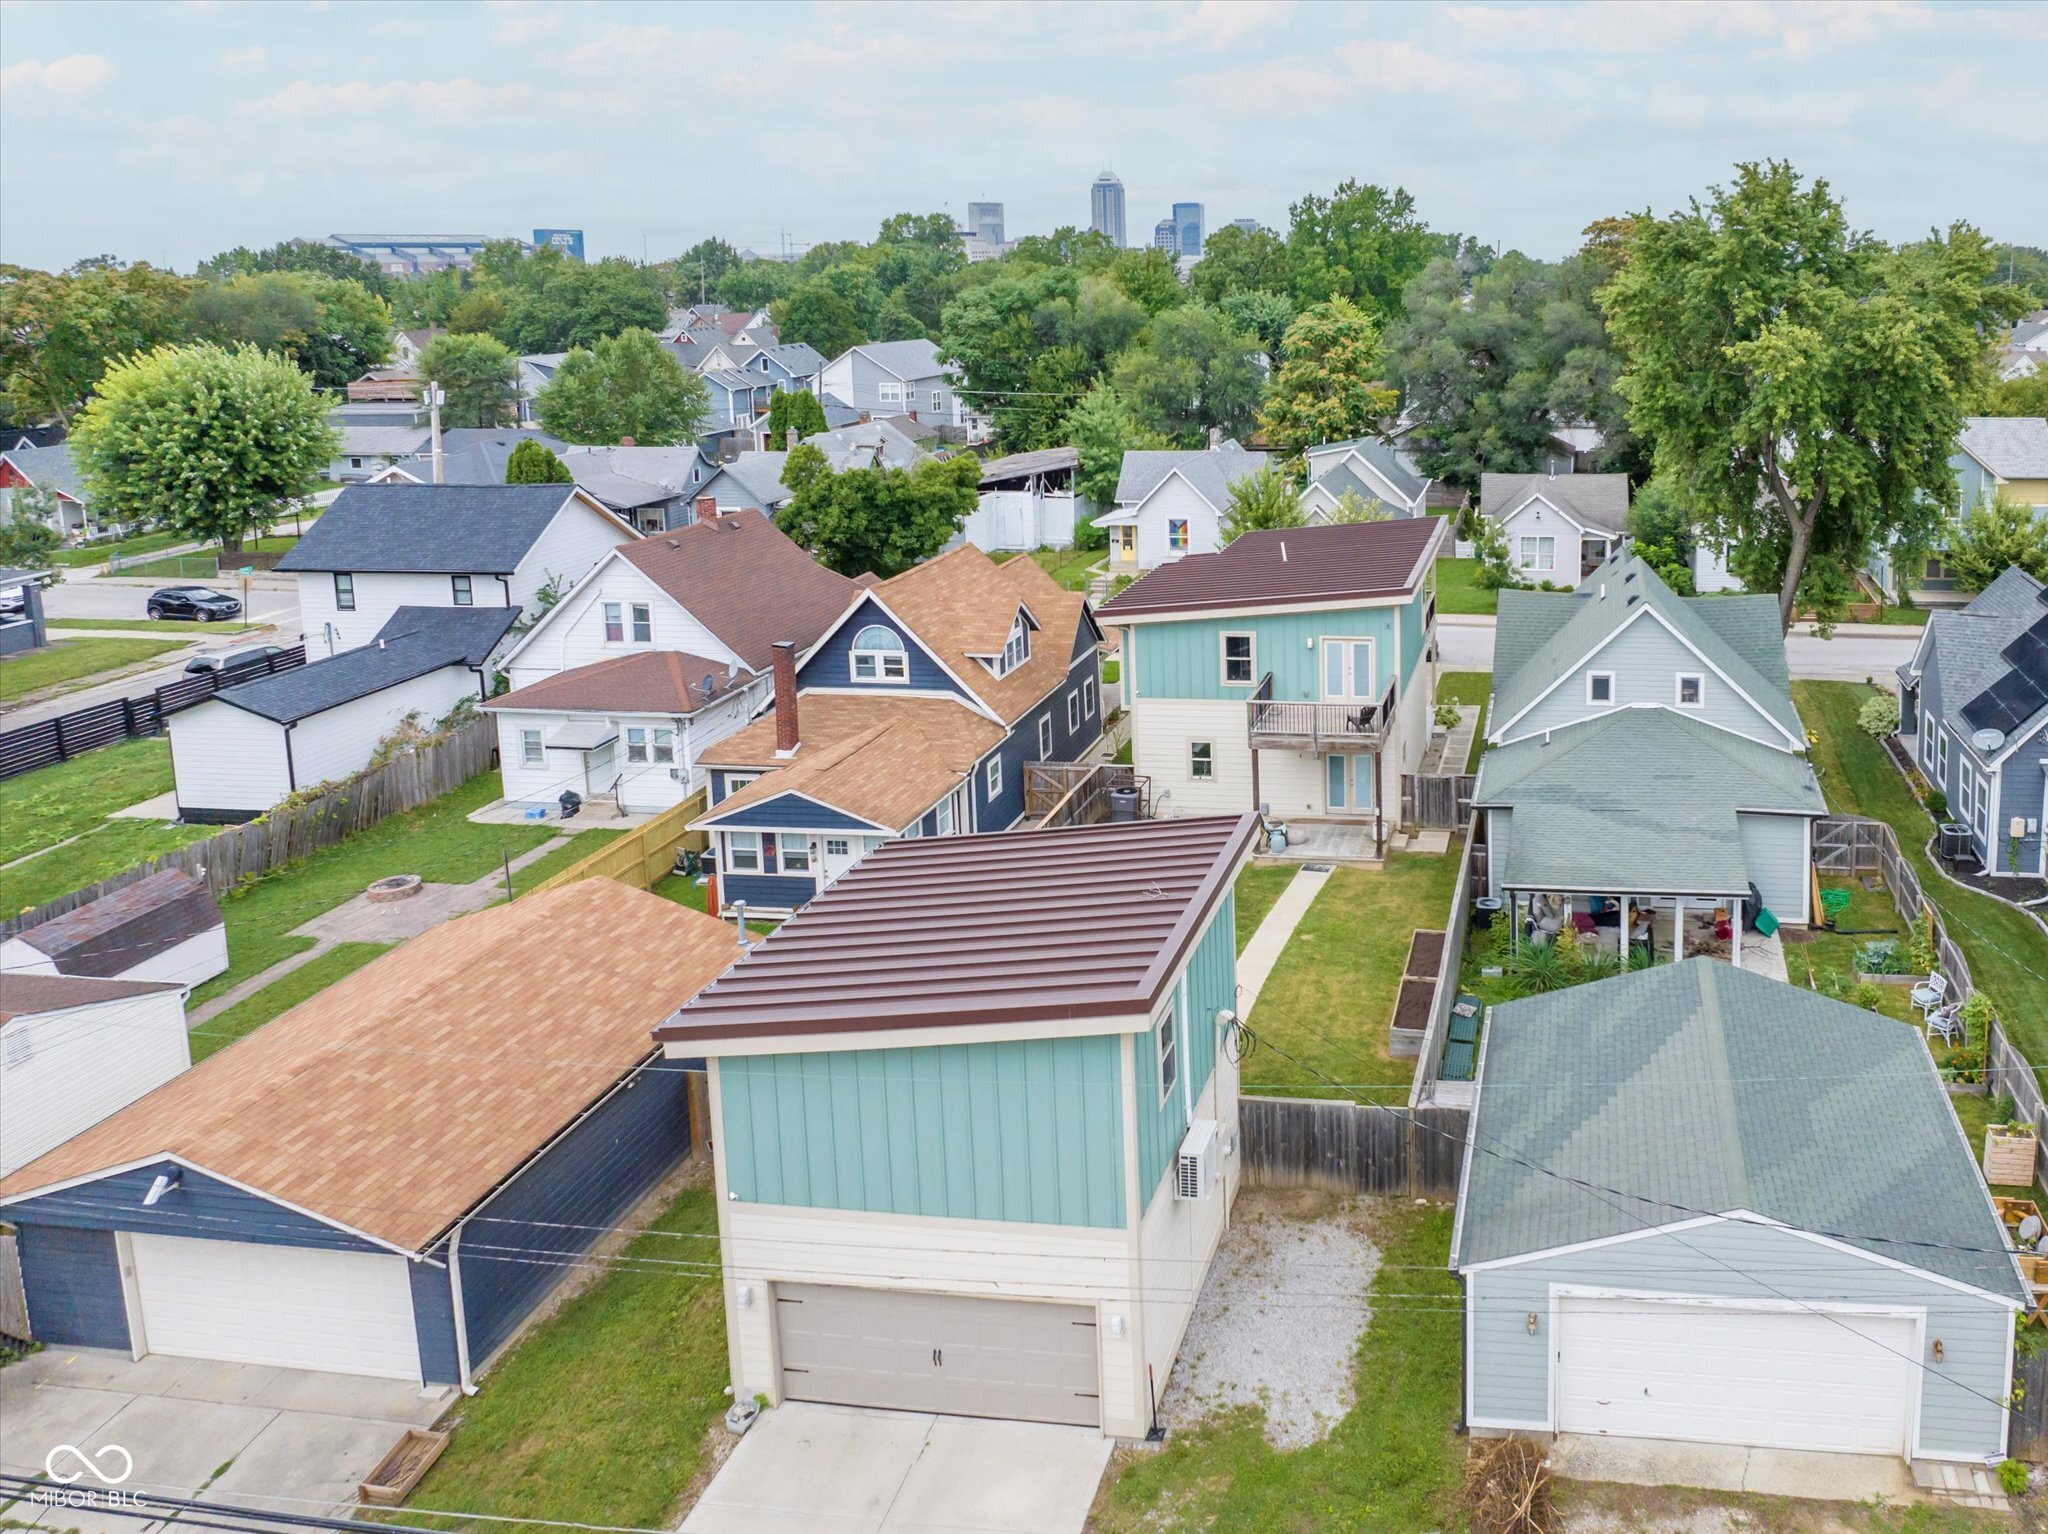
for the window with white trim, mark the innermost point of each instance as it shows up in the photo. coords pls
(735, 781)
(1237, 659)
(1965, 791)
(1599, 686)
(1941, 756)
(1045, 738)
(531, 753)
(344, 592)
(460, 589)
(795, 853)
(1201, 759)
(1539, 553)
(1088, 698)
(837, 846)
(1168, 1039)
(1692, 689)
(1983, 820)
(879, 655)
(664, 744)
(1017, 648)
(1177, 535)
(636, 743)
(614, 623)
(1073, 711)
(942, 817)
(743, 852)
(992, 776)
(643, 623)
(889, 391)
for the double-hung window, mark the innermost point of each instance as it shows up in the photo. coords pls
(1177, 535)
(344, 592)
(1017, 648)
(1539, 553)
(1168, 1035)
(992, 776)
(530, 752)
(793, 853)
(464, 595)
(879, 655)
(643, 623)
(614, 623)
(942, 818)
(1088, 698)
(1237, 660)
(1073, 711)
(664, 744)
(1045, 738)
(1201, 759)
(743, 851)
(636, 743)
(1941, 759)
(889, 392)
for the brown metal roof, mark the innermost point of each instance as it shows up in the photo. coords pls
(743, 579)
(118, 931)
(28, 995)
(650, 682)
(1013, 927)
(1286, 565)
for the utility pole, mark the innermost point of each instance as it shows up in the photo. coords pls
(434, 397)
(700, 281)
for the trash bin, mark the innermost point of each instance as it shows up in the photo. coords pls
(1123, 803)
(1484, 909)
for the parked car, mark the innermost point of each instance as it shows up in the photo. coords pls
(201, 603)
(225, 662)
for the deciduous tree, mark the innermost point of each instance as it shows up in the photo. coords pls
(1260, 501)
(535, 463)
(1328, 389)
(1103, 428)
(626, 385)
(332, 328)
(1361, 242)
(820, 316)
(479, 375)
(794, 410)
(1194, 371)
(59, 332)
(879, 520)
(1990, 538)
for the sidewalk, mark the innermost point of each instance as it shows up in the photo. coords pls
(1255, 964)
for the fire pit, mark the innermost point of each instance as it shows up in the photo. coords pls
(397, 887)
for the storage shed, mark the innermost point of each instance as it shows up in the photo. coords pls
(390, 1177)
(1701, 1204)
(73, 1050)
(164, 926)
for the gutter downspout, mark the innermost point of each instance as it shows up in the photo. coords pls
(291, 771)
(455, 1294)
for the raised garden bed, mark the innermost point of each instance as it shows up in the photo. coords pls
(1425, 955)
(2009, 1155)
(1411, 1017)
(398, 1472)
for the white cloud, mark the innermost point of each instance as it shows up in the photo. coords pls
(244, 58)
(448, 99)
(73, 75)
(521, 21)
(1404, 67)
(1224, 23)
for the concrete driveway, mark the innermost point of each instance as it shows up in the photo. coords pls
(841, 1470)
(1858, 650)
(276, 1439)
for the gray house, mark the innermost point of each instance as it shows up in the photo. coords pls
(1367, 468)
(1559, 527)
(1665, 1233)
(1973, 712)
(892, 377)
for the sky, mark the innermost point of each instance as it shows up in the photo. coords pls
(168, 132)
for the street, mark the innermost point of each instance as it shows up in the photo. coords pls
(80, 595)
(1857, 651)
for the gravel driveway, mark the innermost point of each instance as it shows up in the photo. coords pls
(1278, 1322)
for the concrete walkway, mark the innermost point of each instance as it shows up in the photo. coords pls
(1715, 1467)
(1455, 748)
(1255, 964)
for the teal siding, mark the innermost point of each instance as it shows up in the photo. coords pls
(1413, 643)
(1030, 1130)
(1184, 659)
(1212, 988)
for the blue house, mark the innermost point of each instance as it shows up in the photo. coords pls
(1973, 712)
(389, 1178)
(915, 715)
(975, 1141)
(794, 367)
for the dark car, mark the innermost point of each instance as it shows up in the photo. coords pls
(228, 662)
(201, 603)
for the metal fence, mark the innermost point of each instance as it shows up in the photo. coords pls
(406, 782)
(1437, 802)
(58, 739)
(1295, 1142)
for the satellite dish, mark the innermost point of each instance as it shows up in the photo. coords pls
(1988, 740)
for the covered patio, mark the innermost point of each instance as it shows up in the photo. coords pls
(1665, 927)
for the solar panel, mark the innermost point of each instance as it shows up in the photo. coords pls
(2022, 692)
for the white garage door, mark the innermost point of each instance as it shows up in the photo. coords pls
(1774, 1379)
(292, 1306)
(938, 1353)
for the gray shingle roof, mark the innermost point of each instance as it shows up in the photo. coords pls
(1965, 648)
(1540, 635)
(799, 357)
(908, 360)
(837, 412)
(1597, 500)
(1701, 1087)
(49, 467)
(415, 641)
(1385, 459)
(1211, 470)
(858, 447)
(429, 529)
(2012, 447)
(381, 441)
(759, 478)
(1638, 801)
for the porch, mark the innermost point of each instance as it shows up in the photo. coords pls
(1650, 929)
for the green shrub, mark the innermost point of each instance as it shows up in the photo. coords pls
(1879, 716)
(2014, 1476)
(1868, 995)
(1880, 956)
(1446, 716)
(1937, 804)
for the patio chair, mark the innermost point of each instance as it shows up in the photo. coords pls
(1929, 993)
(1945, 1024)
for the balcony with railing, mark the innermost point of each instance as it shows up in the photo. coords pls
(1284, 725)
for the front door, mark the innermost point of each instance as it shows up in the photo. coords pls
(836, 855)
(1349, 785)
(1126, 544)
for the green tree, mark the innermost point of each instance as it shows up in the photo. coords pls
(877, 520)
(1103, 428)
(2017, 396)
(755, 284)
(1657, 514)
(1260, 501)
(1065, 246)
(30, 536)
(1990, 538)
(1352, 507)
(479, 375)
(554, 302)
(817, 314)
(313, 256)
(694, 275)
(478, 312)
(1238, 260)
(58, 333)
(1195, 371)
(331, 328)
(627, 385)
(1363, 243)
(1490, 548)
(209, 442)
(535, 463)
(794, 410)
(1802, 384)
(934, 232)
(1264, 313)
(1328, 390)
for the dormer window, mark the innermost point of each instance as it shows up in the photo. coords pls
(879, 656)
(1017, 648)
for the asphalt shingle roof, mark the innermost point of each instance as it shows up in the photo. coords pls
(2012, 447)
(429, 529)
(759, 475)
(1699, 1087)
(415, 641)
(48, 467)
(1385, 459)
(908, 360)
(1597, 500)
(1211, 470)
(1966, 649)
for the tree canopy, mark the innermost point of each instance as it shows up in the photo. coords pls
(1991, 537)
(535, 463)
(479, 375)
(794, 410)
(1327, 390)
(879, 520)
(58, 331)
(1192, 372)
(1262, 501)
(626, 385)
(1103, 429)
(333, 329)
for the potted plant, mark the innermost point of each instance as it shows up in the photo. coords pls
(2010, 1144)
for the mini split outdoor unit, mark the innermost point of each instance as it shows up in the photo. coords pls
(1195, 1165)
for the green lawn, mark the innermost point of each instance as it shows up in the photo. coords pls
(177, 567)
(74, 661)
(1392, 1464)
(1112, 671)
(581, 846)
(100, 854)
(100, 553)
(598, 1416)
(435, 841)
(1257, 889)
(280, 996)
(1070, 567)
(1327, 1004)
(1468, 687)
(41, 808)
(2008, 953)
(1458, 589)
(146, 625)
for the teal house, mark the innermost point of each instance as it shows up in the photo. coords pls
(975, 1141)
(1292, 670)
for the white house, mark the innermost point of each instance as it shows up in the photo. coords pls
(382, 547)
(1171, 503)
(1559, 527)
(666, 646)
(165, 926)
(247, 747)
(1364, 467)
(74, 1050)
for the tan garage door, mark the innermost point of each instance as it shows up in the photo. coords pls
(938, 1353)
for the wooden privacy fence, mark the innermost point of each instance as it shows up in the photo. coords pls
(2027, 1431)
(355, 804)
(13, 1301)
(102, 724)
(1437, 802)
(1469, 885)
(640, 858)
(1296, 1142)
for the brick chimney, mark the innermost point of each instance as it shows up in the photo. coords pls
(785, 698)
(707, 508)
(912, 414)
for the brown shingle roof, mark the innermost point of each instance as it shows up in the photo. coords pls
(398, 1097)
(27, 995)
(963, 930)
(744, 580)
(1286, 565)
(961, 605)
(650, 682)
(826, 719)
(121, 930)
(889, 773)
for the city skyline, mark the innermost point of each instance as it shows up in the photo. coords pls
(171, 132)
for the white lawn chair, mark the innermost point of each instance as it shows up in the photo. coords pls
(1930, 993)
(1944, 1024)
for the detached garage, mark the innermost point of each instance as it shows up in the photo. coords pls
(1703, 1205)
(390, 1177)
